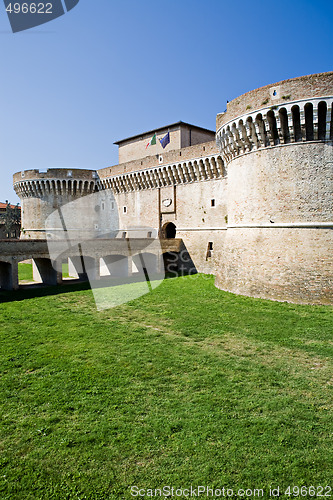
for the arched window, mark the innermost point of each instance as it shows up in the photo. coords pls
(284, 125)
(322, 110)
(296, 123)
(308, 111)
(272, 126)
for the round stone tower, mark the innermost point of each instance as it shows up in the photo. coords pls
(277, 146)
(42, 193)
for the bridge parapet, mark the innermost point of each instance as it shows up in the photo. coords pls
(47, 257)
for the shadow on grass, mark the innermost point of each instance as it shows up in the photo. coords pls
(40, 290)
(29, 291)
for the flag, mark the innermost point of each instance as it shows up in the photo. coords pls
(152, 141)
(165, 140)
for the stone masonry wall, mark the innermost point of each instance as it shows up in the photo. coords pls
(286, 264)
(196, 220)
(287, 183)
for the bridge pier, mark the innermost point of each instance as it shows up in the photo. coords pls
(75, 268)
(9, 275)
(44, 272)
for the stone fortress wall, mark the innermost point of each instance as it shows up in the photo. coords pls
(255, 208)
(44, 192)
(279, 159)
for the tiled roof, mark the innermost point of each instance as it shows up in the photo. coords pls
(4, 205)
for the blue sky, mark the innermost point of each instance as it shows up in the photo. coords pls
(110, 69)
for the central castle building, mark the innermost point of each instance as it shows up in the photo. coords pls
(252, 201)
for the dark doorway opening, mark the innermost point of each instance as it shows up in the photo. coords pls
(169, 230)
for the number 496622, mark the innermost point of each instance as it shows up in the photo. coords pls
(311, 491)
(29, 8)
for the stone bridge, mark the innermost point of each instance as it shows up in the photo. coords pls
(88, 258)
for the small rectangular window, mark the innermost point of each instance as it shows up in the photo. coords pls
(209, 250)
(149, 234)
(125, 210)
(212, 202)
(124, 235)
(112, 205)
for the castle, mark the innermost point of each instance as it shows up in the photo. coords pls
(252, 201)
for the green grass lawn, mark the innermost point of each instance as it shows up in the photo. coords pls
(185, 386)
(25, 272)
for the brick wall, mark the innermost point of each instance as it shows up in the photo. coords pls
(317, 85)
(175, 156)
(55, 173)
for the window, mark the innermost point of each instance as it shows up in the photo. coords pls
(209, 250)
(125, 210)
(112, 205)
(149, 234)
(212, 202)
(123, 235)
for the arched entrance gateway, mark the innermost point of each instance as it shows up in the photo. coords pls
(168, 230)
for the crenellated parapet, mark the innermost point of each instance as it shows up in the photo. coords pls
(193, 170)
(43, 192)
(72, 183)
(286, 123)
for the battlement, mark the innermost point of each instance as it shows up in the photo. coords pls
(36, 183)
(161, 159)
(287, 123)
(293, 89)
